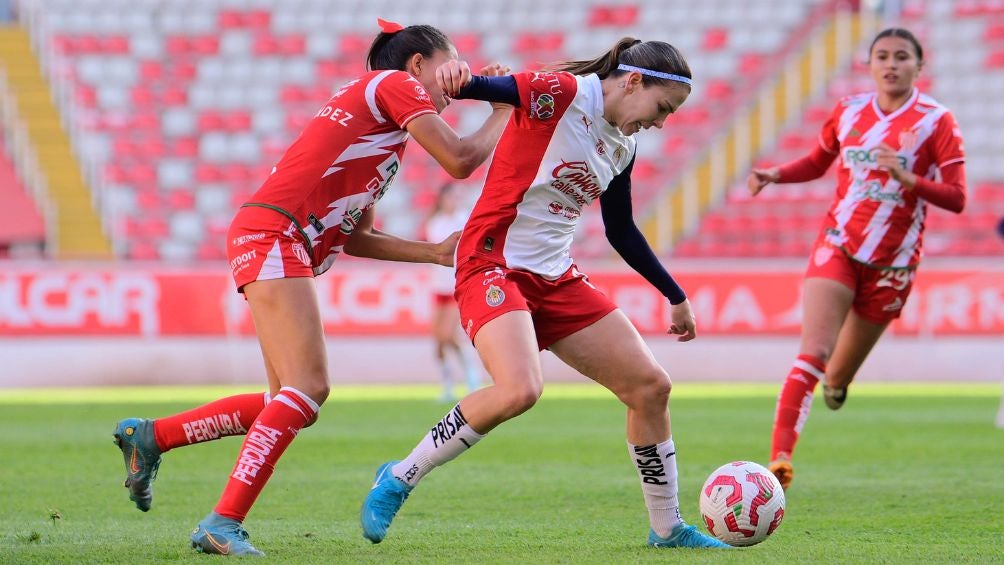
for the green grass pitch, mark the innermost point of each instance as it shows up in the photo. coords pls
(902, 474)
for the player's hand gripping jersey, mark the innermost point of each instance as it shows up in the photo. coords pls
(344, 161)
(556, 156)
(874, 219)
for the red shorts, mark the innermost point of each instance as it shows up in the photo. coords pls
(879, 293)
(559, 308)
(263, 244)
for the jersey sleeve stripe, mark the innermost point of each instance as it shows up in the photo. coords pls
(371, 96)
(822, 145)
(951, 161)
(410, 117)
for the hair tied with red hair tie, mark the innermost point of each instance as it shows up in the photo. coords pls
(389, 27)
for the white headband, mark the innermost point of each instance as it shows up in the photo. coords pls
(657, 74)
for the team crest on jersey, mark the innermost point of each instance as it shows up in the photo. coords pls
(301, 253)
(618, 153)
(822, 255)
(601, 148)
(541, 105)
(908, 140)
(494, 296)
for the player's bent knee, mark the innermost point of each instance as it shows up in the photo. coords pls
(650, 392)
(520, 399)
(317, 391)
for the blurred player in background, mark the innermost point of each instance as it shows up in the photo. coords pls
(446, 219)
(318, 202)
(1000, 411)
(898, 150)
(568, 144)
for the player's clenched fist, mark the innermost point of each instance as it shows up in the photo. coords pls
(452, 76)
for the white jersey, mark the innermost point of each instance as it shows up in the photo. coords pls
(440, 227)
(556, 156)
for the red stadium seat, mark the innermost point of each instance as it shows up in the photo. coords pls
(181, 199)
(206, 173)
(292, 45)
(150, 71)
(147, 121)
(237, 121)
(230, 19)
(174, 96)
(266, 45)
(204, 45)
(210, 251)
(210, 120)
(353, 46)
(143, 251)
(994, 60)
(114, 44)
(258, 19)
(85, 96)
(718, 89)
(181, 72)
(176, 45)
(614, 16)
(183, 147)
(467, 44)
(714, 39)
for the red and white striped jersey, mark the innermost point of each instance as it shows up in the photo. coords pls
(439, 227)
(556, 156)
(874, 219)
(345, 159)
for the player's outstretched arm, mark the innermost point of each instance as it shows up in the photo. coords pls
(459, 156)
(375, 244)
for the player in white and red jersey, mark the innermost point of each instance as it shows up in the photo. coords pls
(567, 145)
(318, 202)
(898, 151)
(447, 218)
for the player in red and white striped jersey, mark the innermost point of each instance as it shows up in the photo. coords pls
(898, 151)
(448, 217)
(567, 145)
(318, 202)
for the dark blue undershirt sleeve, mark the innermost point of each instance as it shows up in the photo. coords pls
(491, 89)
(625, 237)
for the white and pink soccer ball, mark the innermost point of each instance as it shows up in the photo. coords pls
(742, 503)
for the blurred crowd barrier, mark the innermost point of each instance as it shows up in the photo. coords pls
(111, 324)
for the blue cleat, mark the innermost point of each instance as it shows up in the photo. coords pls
(382, 503)
(685, 536)
(134, 436)
(222, 536)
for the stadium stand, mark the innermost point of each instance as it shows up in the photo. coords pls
(183, 107)
(179, 108)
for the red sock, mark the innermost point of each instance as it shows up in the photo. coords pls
(228, 416)
(793, 404)
(267, 438)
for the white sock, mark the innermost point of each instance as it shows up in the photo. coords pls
(450, 437)
(656, 466)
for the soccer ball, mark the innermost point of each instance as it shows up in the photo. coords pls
(742, 503)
